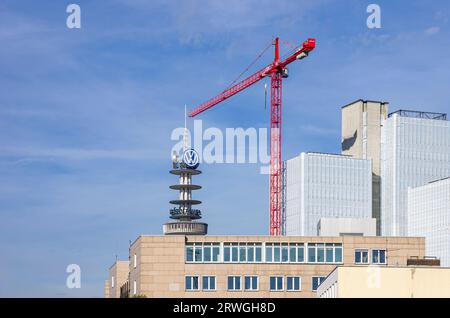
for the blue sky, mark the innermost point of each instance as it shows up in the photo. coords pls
(86, 115)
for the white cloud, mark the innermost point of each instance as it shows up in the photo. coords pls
(432, 30)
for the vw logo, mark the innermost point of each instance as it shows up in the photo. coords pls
(191, 159)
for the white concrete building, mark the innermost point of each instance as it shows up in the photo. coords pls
(325, 185)
(347, 226)
(386, 282)
(415, 150)
(429, 216)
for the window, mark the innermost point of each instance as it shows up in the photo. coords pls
(207, 256)
(293, 283)
(202, 252)
(276, 283)
(234, 252)
(134, 288)
(338, 253)
(216, 252)
(234, 283)
(112, 281)
(269, 249)
(311, 253)
(135, 261)
(316, 281)
(329, 253)
(242, 252)
(276, 253)
(209, 283)
(320, 253)
(191, 283)
(361, 256)
(379, 256)
(189, 253)
(198, 253)
(227, 253)
(284, 253)
(251, 283)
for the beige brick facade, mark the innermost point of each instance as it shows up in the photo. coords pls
(158, 265)
(118, 275)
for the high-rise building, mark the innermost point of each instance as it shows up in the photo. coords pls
(361, 138)
(415, 151)
(429, 216)
(322, 185)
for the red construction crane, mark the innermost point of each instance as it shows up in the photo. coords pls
(277, 71)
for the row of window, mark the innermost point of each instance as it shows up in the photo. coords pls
(250, 283)
(264, 252)
(277, 253)
(362, 256)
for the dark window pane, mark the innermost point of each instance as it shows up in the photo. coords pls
(216, 252)
(365, 257)
(247, 282)
(357, 257)
(301, 254)
(375, 256)
(297, 283)
(272, 283)
(289, 283)
(189, 254)
(382, 256)
(285, 254)
(338, 255)
(311, 255)
(251, 254)
(226, 254)
(242, 253)
(293, 254)
(276, 253)
(329, 255)
(234, 253)
(195, 283)
(207, 254)
(254, 282)
(269, 254)
(279, 283)
(188, 283)
(320, 254)
(230, 283)
(198, 253)
(258, 254)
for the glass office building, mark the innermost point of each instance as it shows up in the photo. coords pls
(415, 149)
(322, 185)
(429, 217)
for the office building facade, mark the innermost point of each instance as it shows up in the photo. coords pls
(415, 151)
(325, 185)
(253, 266)
(429, 216)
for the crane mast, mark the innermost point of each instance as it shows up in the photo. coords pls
(277, 70)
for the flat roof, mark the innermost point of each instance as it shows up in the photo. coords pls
(365, 101)
(419, 114)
